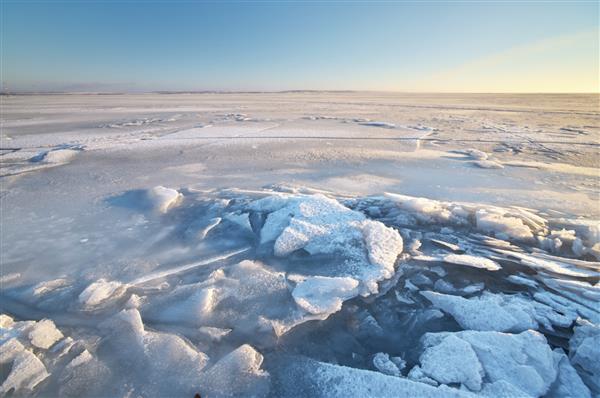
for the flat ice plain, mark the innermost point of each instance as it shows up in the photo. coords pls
(300, 244)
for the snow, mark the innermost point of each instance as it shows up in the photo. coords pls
(56, 156)
(324, 295)
(101, 292)
(585, 351)
(297, 376)
(385, 365)
(44, 334)
(472, 261)
(453, 361)
(237, 373)
(524, 360)
(244, 245)
(498, 312)
(26, 373)
(162, 199)
(321, 225)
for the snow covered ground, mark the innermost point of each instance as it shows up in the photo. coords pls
(295, 244)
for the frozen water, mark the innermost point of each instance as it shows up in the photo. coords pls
(300, 244)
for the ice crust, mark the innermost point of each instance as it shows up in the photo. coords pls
(200, 326)
(321, 225)
(525, 360)
(162, 198)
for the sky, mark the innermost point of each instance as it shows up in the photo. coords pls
(185, 45)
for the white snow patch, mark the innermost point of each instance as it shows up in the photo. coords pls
(472, 261)
(101, 292)
(44, 334)
(323, 295)
(162, 199)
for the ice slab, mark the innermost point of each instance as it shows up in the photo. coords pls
(523, 360)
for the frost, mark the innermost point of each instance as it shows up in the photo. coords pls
(497, 312)
(44, 334)
(472, 261)
(26, 373)
(100, 293)
(319, 294)
(585, 352)
(523, 360)
(453, 361)
(238, 373)
(382, 363)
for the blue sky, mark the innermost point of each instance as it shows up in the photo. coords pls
(235, 45)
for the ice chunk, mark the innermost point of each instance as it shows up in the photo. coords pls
(522, 360)
(56, 156)
(498, 312)
(502, 225)
(162, 199)
(324, 295)
(514, 223)
(472, 261)
(568, 383)
(6, 321)
(156, 364)
(302, 377)
(101, 292)
(49, 286)
(238, 373)
(475, 154)
(382, 363)
(321, 225)
(44, 334)
(26, 373)
(453, 361)
(80, 359)
(488, 164)
(585, 352)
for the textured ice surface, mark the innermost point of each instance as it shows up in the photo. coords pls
(162, 199)
(321, 225)
(243, 244)
(524, 360)
(502, 313)
(585, 353)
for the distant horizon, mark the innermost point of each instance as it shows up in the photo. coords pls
(169, 92)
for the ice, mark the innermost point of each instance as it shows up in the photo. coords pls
(522, 360)
(56, 156)
(238, 373)
(296, 377)
(49, 286)
(453, 361)
(26, 373)
(80, 359)
(475, 154)
(321, 225)
(382, 363)
(233, 244)
(44, 334)
(497, 312)
(472, 261)
(568, 383)
(319, 294)
(488, 164)
(101, 292)
(162, 199)
(159, 363)
(585, 352)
